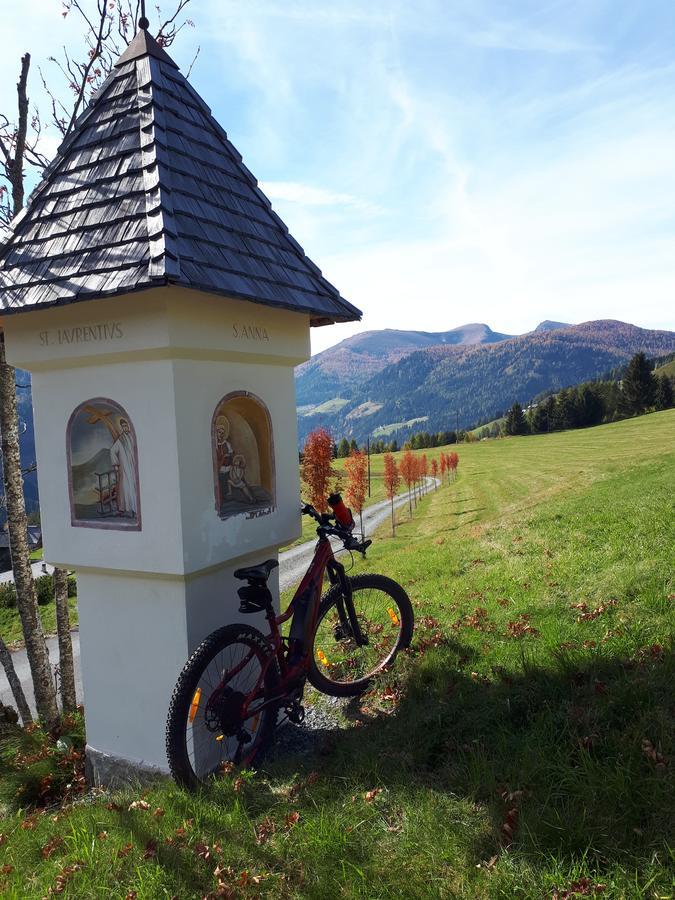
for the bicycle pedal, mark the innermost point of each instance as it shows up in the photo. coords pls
(295, 713)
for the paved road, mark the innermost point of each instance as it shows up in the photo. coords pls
(20, 661)
(292, 565)
(36, 568)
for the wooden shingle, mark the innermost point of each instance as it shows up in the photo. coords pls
(148, 190)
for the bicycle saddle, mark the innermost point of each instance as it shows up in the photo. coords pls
(260, 572)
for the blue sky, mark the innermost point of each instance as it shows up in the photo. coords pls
(448, 162)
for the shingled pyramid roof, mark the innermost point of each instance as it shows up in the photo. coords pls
(148, 190)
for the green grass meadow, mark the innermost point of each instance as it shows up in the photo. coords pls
(522, 748)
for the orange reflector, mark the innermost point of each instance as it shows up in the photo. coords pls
(195, 703)
(393, 616)
(322, 658)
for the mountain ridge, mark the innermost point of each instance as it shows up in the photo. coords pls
(443, 384)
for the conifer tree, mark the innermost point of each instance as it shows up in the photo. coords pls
(515, 420)
(343, 448)
(638, 386)
(664, 392)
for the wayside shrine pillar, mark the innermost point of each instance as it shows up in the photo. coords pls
(165, 414)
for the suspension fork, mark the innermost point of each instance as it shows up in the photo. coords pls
(345, 602)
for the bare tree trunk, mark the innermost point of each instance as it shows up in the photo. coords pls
(410, 501)
(15, 684)
(66, 667)
(26, 600)
(363, 534)
(393, 523)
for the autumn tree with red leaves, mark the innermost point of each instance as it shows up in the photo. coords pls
(317, 467)
(408, 466)
(418, 479)
(434, 472)
(424, 468)
(444, 466)
(453, 462)
(356, 466)
(392, 480)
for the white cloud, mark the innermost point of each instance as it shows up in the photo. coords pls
(308, 195)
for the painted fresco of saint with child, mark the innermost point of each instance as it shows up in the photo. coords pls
(242, 452)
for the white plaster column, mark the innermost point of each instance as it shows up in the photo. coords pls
(152, 585)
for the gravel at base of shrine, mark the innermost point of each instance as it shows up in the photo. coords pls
(312, 735)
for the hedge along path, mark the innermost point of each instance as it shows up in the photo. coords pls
(10, 624)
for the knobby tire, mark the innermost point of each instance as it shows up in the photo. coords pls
(392, 599)
(178, 755)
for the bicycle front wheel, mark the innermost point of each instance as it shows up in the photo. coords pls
(347, 653)
(220, 713)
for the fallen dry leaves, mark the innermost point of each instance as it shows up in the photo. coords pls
(478, 620)
(64, 877)
(588, 615)
(509, 824)
(264, 831)
(521, 627)
(653, 755)
(51, 847)
(583, 887)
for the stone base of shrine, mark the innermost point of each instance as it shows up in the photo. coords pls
(105, 770)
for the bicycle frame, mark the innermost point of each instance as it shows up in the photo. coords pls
(294, 660)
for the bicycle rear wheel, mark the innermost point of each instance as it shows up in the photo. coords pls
(220, 713)
(343, 662)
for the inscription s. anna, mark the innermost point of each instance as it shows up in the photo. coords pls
(249, 333)
(82, 334)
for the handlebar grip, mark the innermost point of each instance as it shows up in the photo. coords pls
(343, 514)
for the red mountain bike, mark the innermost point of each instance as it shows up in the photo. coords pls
(226, 702)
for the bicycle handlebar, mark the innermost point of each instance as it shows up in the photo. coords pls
(336, 530)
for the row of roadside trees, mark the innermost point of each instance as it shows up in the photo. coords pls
(322, 478)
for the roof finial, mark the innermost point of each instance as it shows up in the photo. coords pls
(143, 21)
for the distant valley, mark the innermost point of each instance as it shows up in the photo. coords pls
(390, 383)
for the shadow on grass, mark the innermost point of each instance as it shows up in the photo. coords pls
(585, 741)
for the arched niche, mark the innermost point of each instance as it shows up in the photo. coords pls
(243, 456)
(103, 479)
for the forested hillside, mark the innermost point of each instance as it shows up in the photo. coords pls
(341, 370)
(440, 386)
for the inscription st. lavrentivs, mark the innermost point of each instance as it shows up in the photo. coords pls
(80, 334)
